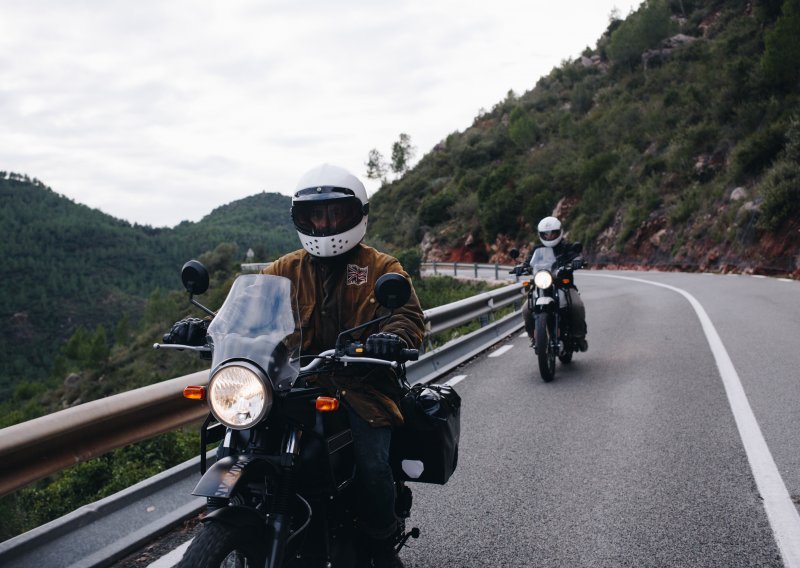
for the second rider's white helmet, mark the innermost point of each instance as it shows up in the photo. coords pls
(550, 232)
(329, 211)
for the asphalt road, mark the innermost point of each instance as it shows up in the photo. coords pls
(632, 456)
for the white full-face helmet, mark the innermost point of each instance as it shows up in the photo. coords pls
(329, 211)
(550, 232)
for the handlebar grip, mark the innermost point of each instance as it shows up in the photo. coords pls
(410, 354)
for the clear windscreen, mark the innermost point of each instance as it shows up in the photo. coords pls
(543, 259)
(258, 322)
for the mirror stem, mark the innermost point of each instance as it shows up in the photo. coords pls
(201, 306)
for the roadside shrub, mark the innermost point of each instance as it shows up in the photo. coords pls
(781, 191)
(756, 153)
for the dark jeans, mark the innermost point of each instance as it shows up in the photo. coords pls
(577, 314)
(374, 481)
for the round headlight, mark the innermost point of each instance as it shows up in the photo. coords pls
(543, 279)
(239, 396)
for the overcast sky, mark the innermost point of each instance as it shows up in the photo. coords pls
(159, 111)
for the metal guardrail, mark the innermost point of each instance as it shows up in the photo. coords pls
(467, 269)
(34, 449)
(101, 533)
(37, 448)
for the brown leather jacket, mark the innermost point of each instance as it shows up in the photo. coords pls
(337, 294)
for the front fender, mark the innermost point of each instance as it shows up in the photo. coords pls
(222, 478)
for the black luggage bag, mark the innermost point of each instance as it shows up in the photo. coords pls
(425, 448)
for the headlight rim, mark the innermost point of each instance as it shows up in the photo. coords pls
(259, 375)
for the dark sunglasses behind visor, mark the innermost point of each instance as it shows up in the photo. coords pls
(331, 217)
(550, 235)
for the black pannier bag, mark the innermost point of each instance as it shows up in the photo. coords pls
(425, 448)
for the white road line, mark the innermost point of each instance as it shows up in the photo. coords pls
(758, 276)
(455, 380)
(785, 279)
(501, 350)
(523, 334)
(781, 512)
(171, 559)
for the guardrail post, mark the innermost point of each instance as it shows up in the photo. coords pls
(496, 271)
(476, 270)
(455, 269)
(434, 268)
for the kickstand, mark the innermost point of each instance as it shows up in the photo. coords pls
(413, 533)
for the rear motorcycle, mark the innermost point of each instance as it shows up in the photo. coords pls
(281, 491)
(550, 305)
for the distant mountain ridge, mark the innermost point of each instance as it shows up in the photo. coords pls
(66, 265)
(674, 143)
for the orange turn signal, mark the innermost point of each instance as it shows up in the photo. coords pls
(565, 281)
(195, 393)
(327, 403)
(526, 283)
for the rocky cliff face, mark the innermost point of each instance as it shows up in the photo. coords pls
(657, 245)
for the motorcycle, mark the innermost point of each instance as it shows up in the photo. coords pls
(550, 305)
(281, 491)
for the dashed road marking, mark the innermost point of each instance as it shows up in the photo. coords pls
(171, 559)
(455, 380)
(501, 350)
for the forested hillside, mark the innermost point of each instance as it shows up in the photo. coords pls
(68, 267)
(673, 142)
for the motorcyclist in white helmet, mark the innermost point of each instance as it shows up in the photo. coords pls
(551, 234)
(334, 275)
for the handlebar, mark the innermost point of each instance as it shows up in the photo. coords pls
(353, 357)
(521, 269)
(179, 347)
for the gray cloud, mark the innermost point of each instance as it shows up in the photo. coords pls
(157, 112)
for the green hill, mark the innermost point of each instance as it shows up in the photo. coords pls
(67, 266)
(674, 142)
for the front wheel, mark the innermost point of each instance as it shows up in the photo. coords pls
(544, 347)
(218, 545)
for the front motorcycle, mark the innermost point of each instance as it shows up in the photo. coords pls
(550, 305)
(280, 492)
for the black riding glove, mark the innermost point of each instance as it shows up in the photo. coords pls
(189, 331)
(385, 344)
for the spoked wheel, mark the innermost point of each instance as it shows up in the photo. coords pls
(218, 545)
(544, 348)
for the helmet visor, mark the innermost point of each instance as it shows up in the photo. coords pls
(550, 235)
(322, 218)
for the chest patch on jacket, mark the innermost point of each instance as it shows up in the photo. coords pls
(356, 275)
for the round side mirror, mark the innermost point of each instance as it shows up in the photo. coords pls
(194, 277)
(392, 290)
(513, 253)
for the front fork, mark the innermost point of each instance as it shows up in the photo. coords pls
(550, 312)
(280, 519)
(553, 314)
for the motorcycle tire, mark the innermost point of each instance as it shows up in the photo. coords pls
(219, 545)
(544, 348)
